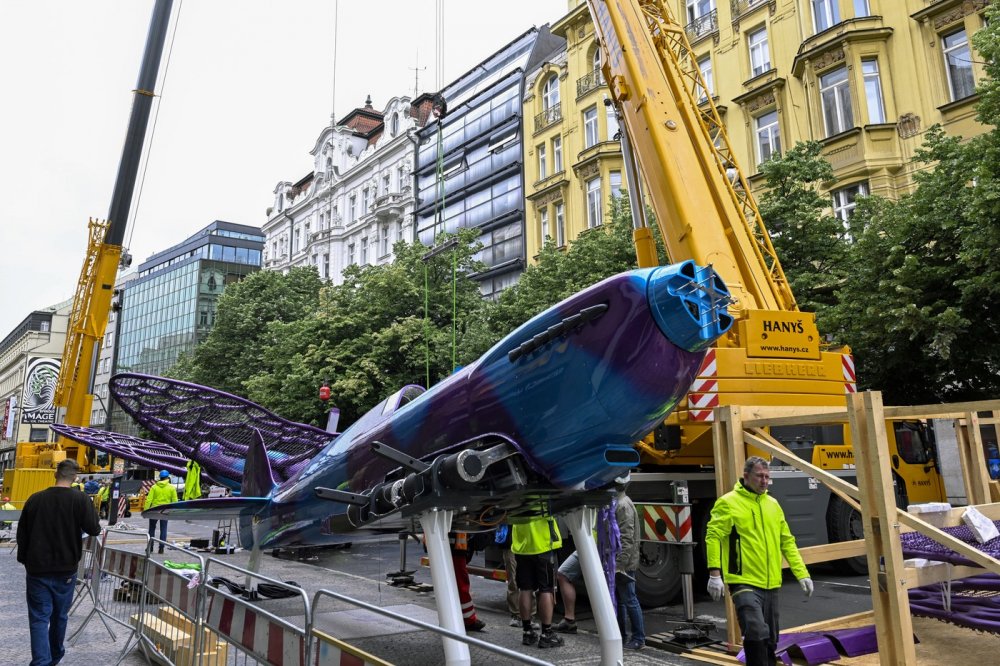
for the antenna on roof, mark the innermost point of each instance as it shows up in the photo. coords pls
(416, 75)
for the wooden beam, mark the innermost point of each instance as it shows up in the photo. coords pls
(831, 551)
(979, 557)
(756, 417)
(891, 605)
(946, 411)
(853, 620)
(763, 440)
(937, 573)
(953, 517)
(730, 456)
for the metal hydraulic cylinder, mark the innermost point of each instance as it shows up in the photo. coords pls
(437, 524)
(581, 524)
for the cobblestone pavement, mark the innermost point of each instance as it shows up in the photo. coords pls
(358, 572)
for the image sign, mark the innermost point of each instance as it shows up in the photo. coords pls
(39, 391)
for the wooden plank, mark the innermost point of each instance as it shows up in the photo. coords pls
(979, 481)
(953, 517)
(844, 621)
(894, 626)
(944, 411)
(730, 457)
(831, 551)
(759, 416)
(710, 657)
(937, 573)
(843, 489)
(945, 539)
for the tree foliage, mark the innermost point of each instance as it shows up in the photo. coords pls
(234, 349)
(369, 336)
(809, 242)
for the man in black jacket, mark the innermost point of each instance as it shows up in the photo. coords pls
(49, 545)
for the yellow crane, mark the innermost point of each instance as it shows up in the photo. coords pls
(705, 211)
(95, 290)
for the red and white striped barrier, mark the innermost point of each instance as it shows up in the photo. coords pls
(173, 589)
(703, 397)
(124, 564)
(255, 631)
(666, 523)
(850, 378)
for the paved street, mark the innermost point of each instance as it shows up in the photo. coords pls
(360, 571)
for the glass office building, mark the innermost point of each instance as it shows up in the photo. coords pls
(471, 176)
(170, 307)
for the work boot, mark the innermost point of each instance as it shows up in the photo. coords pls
(529, 637)
(550, 639)
(757, 653)
(565, 626)
(475, 625)
(160, 550)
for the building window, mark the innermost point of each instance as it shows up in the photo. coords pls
(542, 166)
(873, 91)
(401, 178)
(386, 183)
(326, 265)
(768, 136)
(352, 208)
(590, 127)
(612, 120)
(297, 244)
(861, 9)
(698, 8)
(844, 200)
(595, 60)
(385, 240)
(594, 202)
(364, 251)
(550, 93)
(760, 56)
(826, 13)
(543, 222)
(835, 93)
(557, 164)
(394, 125)
(958, 65)
(350, 254)
(364, 201)
(705, 67)
(615, 179)
(560, 224)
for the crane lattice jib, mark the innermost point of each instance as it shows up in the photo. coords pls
(684, 152)
(87, 323)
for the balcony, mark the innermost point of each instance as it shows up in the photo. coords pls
(549, 116)
(741, 7)
(703, 26)
(588, 82)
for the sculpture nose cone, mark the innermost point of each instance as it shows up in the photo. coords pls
(689, 303)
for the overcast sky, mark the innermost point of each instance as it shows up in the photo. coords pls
(249, 86)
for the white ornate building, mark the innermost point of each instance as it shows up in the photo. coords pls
(358, 199)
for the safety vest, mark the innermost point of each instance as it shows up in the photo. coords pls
(540, 535)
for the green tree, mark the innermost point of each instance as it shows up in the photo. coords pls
(370, 335)
(242, 334)
(810, 244)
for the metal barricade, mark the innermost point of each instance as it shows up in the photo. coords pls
(326, 653)
(253, 635)
(86, 571)
(169, 620)
(117, 589)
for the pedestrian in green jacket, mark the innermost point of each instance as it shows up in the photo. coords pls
(162, 492)
(746, 537)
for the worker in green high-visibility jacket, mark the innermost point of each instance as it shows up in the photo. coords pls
(192, 482)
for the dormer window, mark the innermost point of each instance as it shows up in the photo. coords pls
(394, 125)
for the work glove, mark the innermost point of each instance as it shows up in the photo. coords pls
(716, 587)
(807, 586)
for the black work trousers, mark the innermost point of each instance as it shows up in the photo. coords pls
(757, 612)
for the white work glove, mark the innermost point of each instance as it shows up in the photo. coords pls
(716, 588)
(807, 586)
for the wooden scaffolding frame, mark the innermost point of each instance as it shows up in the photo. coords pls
(737, 427)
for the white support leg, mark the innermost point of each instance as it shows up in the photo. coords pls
(437, 524)
(581, 524)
